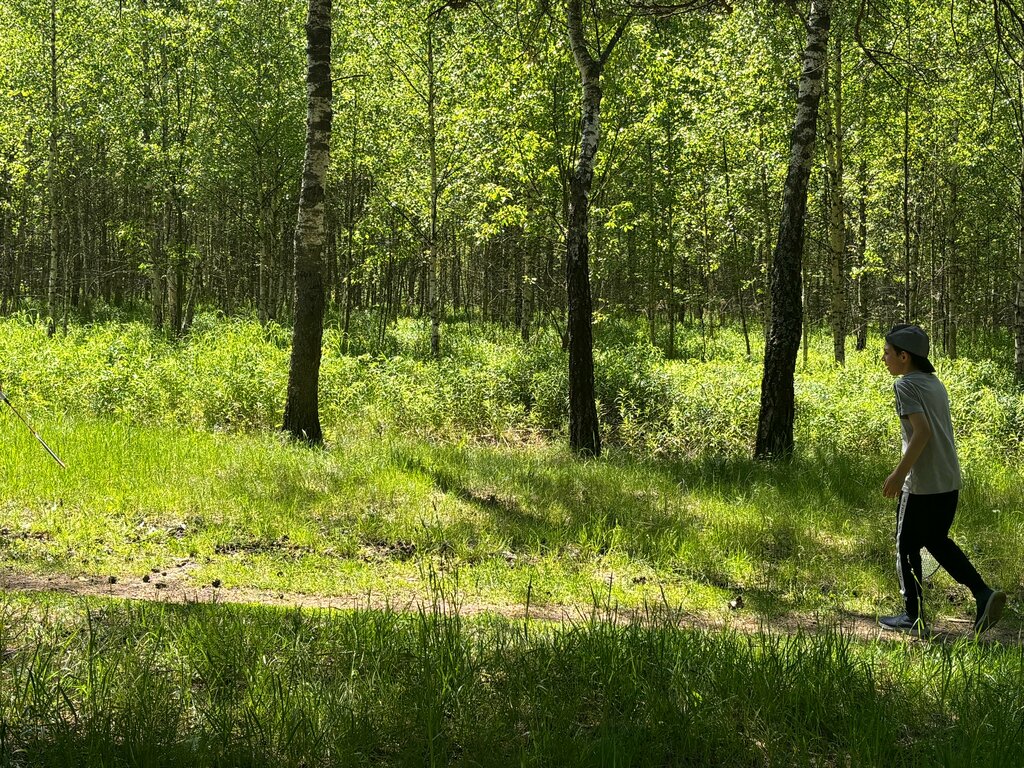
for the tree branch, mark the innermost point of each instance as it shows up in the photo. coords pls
(666, 10)
(859, 38)
(603, 59)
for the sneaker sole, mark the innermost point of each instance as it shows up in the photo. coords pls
(924, 632)
(992, 613)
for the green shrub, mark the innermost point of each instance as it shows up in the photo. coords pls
(232, 374)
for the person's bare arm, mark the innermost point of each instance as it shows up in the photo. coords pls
(922, 434)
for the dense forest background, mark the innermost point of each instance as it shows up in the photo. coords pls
(151, 151)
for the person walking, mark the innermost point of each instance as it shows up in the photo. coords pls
(927, 483)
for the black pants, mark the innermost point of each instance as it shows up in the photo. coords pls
(923, 520)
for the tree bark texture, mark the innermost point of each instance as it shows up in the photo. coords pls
(302, 409)
(908, 308)
(51, 170)
(433, 257)
(584, 431)
(837, 206)
(775, 422)
(1018, 301)
(862, 251)
(1018, 304)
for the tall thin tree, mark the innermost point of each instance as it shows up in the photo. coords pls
(834, 149)
(584, 433)
(302, 409)
(51, 168)
(775, 422)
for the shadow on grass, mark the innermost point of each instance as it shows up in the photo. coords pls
(211, 685)
(686, 516)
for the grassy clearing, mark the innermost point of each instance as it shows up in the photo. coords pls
(380, 514)
(450, 468)
(111, 683)
(675, 511)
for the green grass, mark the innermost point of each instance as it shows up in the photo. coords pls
(459, 467)
(253, 510)
(676, 510)
(110, 683)
(379, 512)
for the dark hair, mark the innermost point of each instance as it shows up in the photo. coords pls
(921, 363)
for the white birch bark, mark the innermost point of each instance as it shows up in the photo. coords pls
(775, 422)
(51, 173)
(302, 409)
(584, 433)
(837, 206)
(433, 257)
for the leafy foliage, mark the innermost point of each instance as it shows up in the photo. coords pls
(230, 374)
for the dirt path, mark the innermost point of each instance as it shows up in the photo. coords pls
(173, 586)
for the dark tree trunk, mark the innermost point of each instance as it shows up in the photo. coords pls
(51, 171)
(1018, 301)
(862, 249)
(584, 432)
(7, 270)
(302, 409)
(175, 267)
(908, 296)
(775, 423)
(837, 205)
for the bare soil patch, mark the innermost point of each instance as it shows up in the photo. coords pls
(172, 585)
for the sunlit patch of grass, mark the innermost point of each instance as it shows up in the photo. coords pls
(374, 513)
(442, 465)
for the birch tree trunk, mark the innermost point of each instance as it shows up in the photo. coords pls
(8, 294)
(837, 205)
(433, 257)
(175, 264)
(302, 409)
(952, 276)
(266, 252)
(775, 422)
(862, 251)
(907, 258)
(584, 432)
(1018, 303)
(51, 173)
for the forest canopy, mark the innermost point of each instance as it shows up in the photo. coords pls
(150, 156)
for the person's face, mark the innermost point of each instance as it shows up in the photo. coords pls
(898, 363)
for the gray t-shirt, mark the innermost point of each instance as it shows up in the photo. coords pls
(937, 469)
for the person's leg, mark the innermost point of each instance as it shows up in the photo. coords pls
(911, 523)
(990, 602)
(940, 513)
(908, 568)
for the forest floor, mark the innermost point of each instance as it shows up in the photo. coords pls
(172, 585)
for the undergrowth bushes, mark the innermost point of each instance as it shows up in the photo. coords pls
(231, 374)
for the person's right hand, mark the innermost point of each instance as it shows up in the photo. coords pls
(893, 485)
